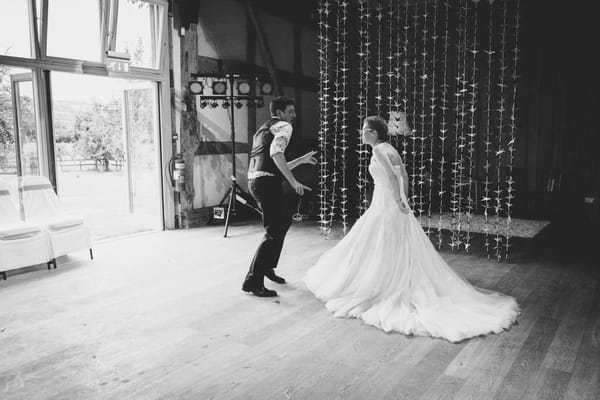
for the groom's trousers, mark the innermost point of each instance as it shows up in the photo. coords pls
(277, 210)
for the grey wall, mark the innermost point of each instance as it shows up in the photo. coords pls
(222, 30)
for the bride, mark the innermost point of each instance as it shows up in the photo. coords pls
(386, 272)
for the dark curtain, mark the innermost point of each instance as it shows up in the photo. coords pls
(560, 132)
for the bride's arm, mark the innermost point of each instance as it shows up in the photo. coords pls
(383, 159)
(404, 175)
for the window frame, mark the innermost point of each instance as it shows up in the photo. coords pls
(41, 65)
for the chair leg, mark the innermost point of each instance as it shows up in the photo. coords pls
(49, 264)
(91, 254)
(3, 275)
(54, 262)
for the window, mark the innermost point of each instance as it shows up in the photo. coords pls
(139, 32)
(14, 29)
(74, 29)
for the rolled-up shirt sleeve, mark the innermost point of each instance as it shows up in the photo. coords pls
(282, 132)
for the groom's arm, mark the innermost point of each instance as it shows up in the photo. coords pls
(294, 163)
(308, 158)
(280, 162)
(282, 132)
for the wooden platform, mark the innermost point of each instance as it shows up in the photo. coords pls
(162, 316)
(517, 227)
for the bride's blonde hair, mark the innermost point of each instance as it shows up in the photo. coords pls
(379, 125)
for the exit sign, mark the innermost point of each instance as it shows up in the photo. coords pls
(117, 61)
(117, 65)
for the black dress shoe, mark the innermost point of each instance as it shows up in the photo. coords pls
(258, 291)
(271, 275)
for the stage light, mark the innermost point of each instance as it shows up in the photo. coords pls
(214, 104)
(219, 87)
(238, 104)
(266, 88)
(196, 87)
(243, 88)
(225, 104)
(203, 104)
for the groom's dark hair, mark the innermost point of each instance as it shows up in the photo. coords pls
(379, 125)
(280, 103)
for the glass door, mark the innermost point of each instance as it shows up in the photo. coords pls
(140, 127)
(107, 154)
(26, 134)
(19, 134)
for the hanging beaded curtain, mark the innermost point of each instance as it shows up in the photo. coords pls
(362, 103)
(445, 74)
(343, 99)
(444, 114)
(324, 101)
(512, 132)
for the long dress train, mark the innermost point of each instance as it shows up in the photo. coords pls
(386, 272)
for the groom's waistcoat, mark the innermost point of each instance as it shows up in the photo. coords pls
(260, 157)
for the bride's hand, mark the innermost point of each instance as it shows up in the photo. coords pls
(403, 208)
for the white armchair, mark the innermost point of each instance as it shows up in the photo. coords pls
(67, 233)
(21, 244)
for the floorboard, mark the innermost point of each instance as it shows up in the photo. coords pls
(162, 316)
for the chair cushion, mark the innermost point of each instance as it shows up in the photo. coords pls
(18, 230)
(64, 222)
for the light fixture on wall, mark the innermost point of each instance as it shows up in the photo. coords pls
(219, 88)
(266, 89)
(229, 90)
(243, 88)
(196, 87)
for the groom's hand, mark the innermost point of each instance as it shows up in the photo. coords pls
(309, 158)
(300, 188)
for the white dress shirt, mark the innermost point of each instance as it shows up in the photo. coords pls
(282, 132)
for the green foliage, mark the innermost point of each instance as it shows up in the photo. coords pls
(98, 133)
(6, 116)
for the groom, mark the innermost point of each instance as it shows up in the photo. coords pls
(267, 170)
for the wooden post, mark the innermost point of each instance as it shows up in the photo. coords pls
(251, 63)
(298, 77)
(264, 47)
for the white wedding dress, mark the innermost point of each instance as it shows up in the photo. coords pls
(386, 272)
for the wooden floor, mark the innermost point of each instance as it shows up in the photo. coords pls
(162, 315)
